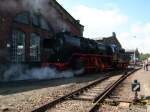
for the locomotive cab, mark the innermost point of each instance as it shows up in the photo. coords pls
(60, 50)
(53, 49)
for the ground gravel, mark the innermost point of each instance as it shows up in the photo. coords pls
(124, 93)
(25, 98)
(25, 101)
(108, 108)
(84, 105)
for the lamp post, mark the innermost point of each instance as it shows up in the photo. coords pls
(134, 55)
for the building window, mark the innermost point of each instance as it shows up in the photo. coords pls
(44, 24)
(35, 20)
(18, 46)
(39, 21)
(22, 18)
(34, 47)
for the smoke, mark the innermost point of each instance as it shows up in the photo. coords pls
(36, 5)
(44, 7)
(8, 4)
(32, 5)
(20, 72)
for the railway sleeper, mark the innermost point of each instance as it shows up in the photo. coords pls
(85, 97)
(90, 94)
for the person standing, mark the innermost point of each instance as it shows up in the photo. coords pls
(146, 65)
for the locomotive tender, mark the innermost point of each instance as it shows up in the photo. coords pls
(82, 54)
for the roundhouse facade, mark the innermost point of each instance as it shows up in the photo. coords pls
(24, 24)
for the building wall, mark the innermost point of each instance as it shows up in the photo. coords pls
(58, 20)
(134, 54)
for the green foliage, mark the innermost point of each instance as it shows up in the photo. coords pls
(144, 56)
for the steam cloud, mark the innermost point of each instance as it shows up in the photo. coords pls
(32, 5)
(36, 6)
(19, 72)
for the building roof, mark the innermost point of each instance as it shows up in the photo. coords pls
(110, 40)
(132, 51)
(65, 14)
(37, 5)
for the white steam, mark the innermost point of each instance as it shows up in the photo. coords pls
(19, 72)
(8, 5)
(32, 5)
(37, 6)
(44, 7)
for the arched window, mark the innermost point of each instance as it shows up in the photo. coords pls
(18, 46)
(34, 47)
(22, 18)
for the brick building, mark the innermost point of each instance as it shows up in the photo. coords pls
(25, 23)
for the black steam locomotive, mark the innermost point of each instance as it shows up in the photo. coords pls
(82, 54)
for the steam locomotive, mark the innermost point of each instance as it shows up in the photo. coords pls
(80, 54)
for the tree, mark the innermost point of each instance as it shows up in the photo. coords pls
(144, 56)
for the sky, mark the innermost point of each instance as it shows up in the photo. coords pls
(130, 19)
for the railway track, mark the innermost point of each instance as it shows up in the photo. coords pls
(91, 95)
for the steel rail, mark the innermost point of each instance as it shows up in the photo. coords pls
(100, 98)
(48, 105)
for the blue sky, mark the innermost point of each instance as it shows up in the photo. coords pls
(130, 19)
(136, 9)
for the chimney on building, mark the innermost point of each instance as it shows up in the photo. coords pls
(114, 34)
(78, 21)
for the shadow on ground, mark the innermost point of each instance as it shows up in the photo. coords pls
(7, 88)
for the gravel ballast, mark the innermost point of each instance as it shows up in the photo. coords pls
(25, 98)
